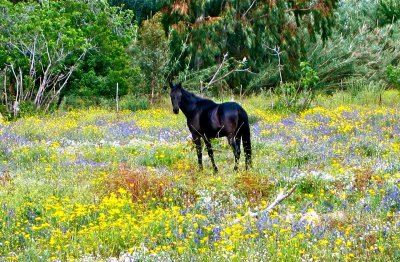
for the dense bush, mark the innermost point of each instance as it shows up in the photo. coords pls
(108, 64)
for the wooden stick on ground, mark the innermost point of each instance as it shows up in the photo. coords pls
(281, 196)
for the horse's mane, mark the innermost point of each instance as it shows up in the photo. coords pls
(193, 97)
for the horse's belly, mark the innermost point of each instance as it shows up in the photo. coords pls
(215, 133)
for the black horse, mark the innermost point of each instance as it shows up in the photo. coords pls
(207, 119)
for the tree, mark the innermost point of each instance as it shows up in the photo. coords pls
(112, 31)
(245, 29)
(39, 52)
(388, 11)
(153, 53)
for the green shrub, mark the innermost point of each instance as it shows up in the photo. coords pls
(152, 55)
(75, 102)
(310, 185)
(134, 103)
(293, 97)
(393, 74)
(346, 54)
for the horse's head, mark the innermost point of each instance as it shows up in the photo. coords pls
(176, 96)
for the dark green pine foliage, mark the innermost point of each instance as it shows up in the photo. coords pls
(388, 11)
(202, 31)
(144, 9)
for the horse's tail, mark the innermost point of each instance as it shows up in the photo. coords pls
(245, 132)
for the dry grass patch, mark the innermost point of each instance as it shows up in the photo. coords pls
(141, 183)
(255, 187)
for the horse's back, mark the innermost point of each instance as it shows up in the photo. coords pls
(233, 110)
(218, 120)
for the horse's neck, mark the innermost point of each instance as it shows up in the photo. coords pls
(189, 101)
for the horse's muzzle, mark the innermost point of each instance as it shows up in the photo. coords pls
(176, 111)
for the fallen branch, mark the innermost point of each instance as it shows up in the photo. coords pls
(281, 196)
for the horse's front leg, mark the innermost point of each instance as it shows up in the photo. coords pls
(197, 142)
(211, 154)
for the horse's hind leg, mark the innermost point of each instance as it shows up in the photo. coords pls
(211, 154)
(235, 144)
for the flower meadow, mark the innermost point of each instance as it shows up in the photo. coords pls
(96, 185)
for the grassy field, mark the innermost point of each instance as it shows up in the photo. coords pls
(93, 185)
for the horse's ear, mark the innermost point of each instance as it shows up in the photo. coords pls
(171, 85)
(179, 85)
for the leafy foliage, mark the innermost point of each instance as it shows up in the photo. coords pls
(152, 54)
(39, 51)
(309, 77)
(111, 31)
(298, 96)
(393, 74)
(359, 47)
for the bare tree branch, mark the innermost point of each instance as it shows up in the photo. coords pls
(65, 78)
(277, 52)
(184, 47)
(233, 71)
(216, 73)
(245, 13)
(237, 69)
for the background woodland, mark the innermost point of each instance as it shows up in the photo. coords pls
(75, 53)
